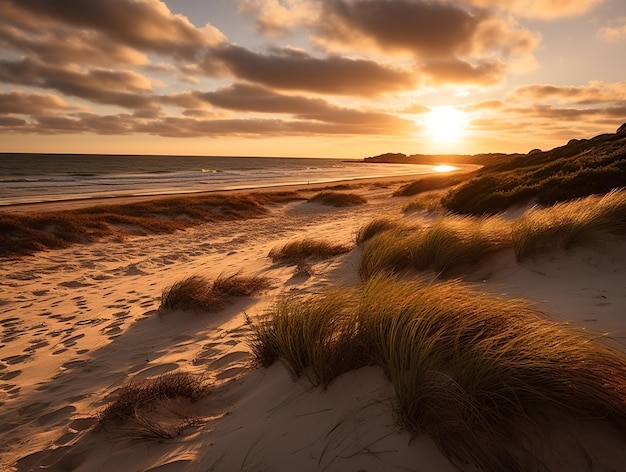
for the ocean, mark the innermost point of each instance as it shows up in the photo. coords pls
(32, 178)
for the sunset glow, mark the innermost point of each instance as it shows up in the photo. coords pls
(446, 123)
(347, 78)
(444, 168)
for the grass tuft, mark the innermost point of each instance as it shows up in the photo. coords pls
(374, 227)
(474, 371)
(338, 199)
(447, 244)
(137, 402)
(295, 252)
(570, 223)
(199, 293)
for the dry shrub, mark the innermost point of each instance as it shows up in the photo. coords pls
(199, 293)
(152, 405)
(299, 250)
(27, 233)
(338, 199)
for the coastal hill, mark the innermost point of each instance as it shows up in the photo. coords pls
(436, 159)
(581, 167)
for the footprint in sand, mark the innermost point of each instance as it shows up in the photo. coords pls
(12, 360)
(229, 359)
(74, 284)
(10, 375)
(57, 416)
(33, 408)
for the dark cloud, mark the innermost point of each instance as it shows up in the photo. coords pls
(22, 103)
(244, 97)
(122, 88)
(593, 93)
(461, 72)
(147, 26)
(289, 70)
(424, 28)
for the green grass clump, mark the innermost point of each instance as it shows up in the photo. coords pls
(295, 252)
(449, 243)
(139, 402)
(375, 227)
(578, 169)
(338, 199)
(474, 371)
(199, 293)
(570, 223)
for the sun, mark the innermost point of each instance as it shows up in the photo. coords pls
(446, 123)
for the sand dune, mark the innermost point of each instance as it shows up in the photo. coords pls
(77, 324)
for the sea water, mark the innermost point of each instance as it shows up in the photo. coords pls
(31, 178)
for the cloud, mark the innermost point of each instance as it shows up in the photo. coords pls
(461, 72)
(613, 34)
(22, 103)
(541, 9)
(276, 18)
(595, 92)
(431, 30)
(122, 88)
(143, 25)
(449, 42)
(287, 69)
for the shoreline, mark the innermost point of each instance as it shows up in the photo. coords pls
(86, 202)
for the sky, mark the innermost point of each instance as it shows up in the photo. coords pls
(308, 78)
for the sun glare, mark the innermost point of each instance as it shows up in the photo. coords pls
(446, 123)
(444, 168)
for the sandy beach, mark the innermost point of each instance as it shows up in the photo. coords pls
(79, 323)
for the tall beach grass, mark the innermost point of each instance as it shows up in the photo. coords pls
(564, 225)
(200, 293)
(299, 250)
(474, 371)
(447, 244)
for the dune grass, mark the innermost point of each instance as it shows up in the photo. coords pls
(199, 293)
(297, 251)
(430, 182)
(338, 199)
(570, 223)
(578, 169)
(138, 401)
(427, 201)
(474, 371)
(376, 226)
(27, 233)
(447, 244)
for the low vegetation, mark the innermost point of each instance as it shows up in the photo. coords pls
(338, 199)
(152, 405)
(28, 233)
(431, 182)
(427, 201)
(567, 224)
(578, 169)
(199, 293)
(474, 371)
(452, 241)
(295, 252)
(447, 244)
